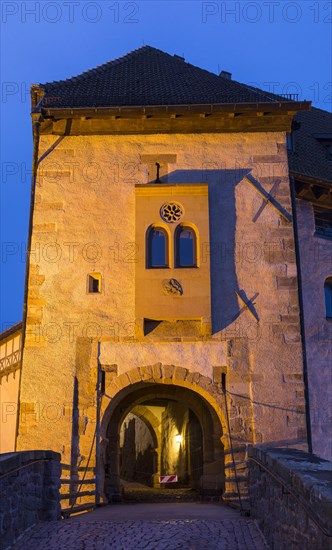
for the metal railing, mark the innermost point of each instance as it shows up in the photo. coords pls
(291, 97)
(27, 465)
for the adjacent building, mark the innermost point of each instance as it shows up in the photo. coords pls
(310, 162)
(10, 364)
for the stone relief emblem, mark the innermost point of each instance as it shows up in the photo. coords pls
(171, 212)
(172, 287)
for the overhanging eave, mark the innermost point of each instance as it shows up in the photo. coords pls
(290, 107)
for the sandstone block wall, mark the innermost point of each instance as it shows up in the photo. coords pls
(84, 221)
(29, 488)
(289, 508)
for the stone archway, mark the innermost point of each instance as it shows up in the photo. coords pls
(204, 399)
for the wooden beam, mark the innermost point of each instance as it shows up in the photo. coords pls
(78, 481)
(300, 187)
(279, 108)
(77, 494)
(67, 512)
(170, 123)
(318, 191)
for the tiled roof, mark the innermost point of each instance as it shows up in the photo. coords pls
(309, 156)
(148, 76)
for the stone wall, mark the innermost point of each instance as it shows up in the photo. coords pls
(316, 266)
(290, 493)
(29, 488)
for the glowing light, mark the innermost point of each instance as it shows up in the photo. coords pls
(178, 438)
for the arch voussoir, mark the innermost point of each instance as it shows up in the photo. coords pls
(146, 373)
(156, 372)
(122, 381)
(167, 372)
(134, 375)
(180, 374)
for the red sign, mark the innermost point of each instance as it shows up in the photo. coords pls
(168, 479)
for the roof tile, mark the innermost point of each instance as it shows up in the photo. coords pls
(148, 76)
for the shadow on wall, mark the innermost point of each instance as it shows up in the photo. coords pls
(74, 477)
(221, 250)
(137, 465)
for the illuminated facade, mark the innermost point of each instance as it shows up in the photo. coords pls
(163, 272)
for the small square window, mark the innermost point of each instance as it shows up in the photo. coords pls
(94, 283)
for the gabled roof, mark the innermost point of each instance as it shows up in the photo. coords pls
(148, 76)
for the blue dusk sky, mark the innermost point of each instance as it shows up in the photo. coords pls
(278, 45)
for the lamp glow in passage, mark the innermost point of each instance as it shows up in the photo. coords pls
(178, 438)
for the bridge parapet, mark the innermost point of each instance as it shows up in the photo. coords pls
(290, 494)
(29, 488)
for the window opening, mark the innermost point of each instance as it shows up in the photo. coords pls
(185, 247)
(323, 222)
(157, 248)
(94, 283)
(328, 297)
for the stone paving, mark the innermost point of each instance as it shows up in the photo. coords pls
(137, 492)
(97, 531)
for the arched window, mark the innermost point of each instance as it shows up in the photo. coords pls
(185, 247)
(328, 297)
(157, 247)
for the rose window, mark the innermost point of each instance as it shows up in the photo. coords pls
(171, 212)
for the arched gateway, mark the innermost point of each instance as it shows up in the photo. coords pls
(189, 437)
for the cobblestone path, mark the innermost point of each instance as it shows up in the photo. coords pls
(87, 533)
(150, 535)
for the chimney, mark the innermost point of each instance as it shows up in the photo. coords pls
(226, 74)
